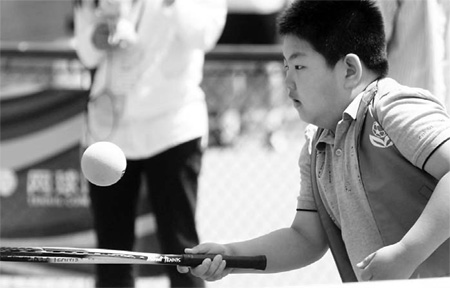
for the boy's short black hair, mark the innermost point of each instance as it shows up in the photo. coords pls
(336, 28)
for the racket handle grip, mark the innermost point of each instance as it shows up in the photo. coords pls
(246, 262)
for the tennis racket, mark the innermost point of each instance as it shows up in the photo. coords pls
(105, 108)
(64, 255)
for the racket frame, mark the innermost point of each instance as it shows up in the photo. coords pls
(68, 255)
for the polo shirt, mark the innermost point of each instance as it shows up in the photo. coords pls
(416, 123)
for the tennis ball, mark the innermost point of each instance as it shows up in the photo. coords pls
(103, 163)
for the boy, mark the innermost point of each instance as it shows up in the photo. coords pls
(375, 177)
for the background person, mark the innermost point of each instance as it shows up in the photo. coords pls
(253, 23)
(418, 44)
(145, 97)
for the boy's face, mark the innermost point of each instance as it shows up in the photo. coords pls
(312, 85)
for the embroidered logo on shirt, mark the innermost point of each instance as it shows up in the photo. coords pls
(379, 138)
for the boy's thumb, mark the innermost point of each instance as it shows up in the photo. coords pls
(363, 264)
(199, 249)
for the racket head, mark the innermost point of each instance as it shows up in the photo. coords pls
(102, 115)
(67, 255)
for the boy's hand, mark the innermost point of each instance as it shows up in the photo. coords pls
(390, 262)
(208, 270)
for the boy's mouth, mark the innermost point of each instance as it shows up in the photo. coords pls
(295, 101)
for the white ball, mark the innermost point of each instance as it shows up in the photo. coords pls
(103, 163)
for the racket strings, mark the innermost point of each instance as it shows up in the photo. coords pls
(34, 251)
(105, 109)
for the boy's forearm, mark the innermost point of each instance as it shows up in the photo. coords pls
(433, 226)
(285, 250)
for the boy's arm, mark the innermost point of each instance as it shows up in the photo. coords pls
(297, 246)
(425, 236)
(290, 248)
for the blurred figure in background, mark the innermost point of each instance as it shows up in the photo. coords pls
(418, 44)
(148, 57)
(250, 22)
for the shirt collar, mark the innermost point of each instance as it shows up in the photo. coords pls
(327, 136)
(352, 109)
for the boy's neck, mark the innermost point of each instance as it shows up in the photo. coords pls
(366, 80)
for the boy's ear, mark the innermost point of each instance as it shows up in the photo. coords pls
(353, 71)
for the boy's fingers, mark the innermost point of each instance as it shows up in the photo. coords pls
(183, 269)
(201, 269)
(214, 267)
(220, 272)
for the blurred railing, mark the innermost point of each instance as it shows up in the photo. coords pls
(65, 50)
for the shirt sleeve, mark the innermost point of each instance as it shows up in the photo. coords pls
(200, 22)
(416, 122)
(85, 22)
(305, 201)
(389, 10)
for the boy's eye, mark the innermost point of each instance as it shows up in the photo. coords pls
(298, 67)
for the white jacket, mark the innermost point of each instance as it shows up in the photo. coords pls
(154, 83)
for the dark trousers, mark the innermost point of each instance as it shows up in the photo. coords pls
(246, 28)
(172, 179)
